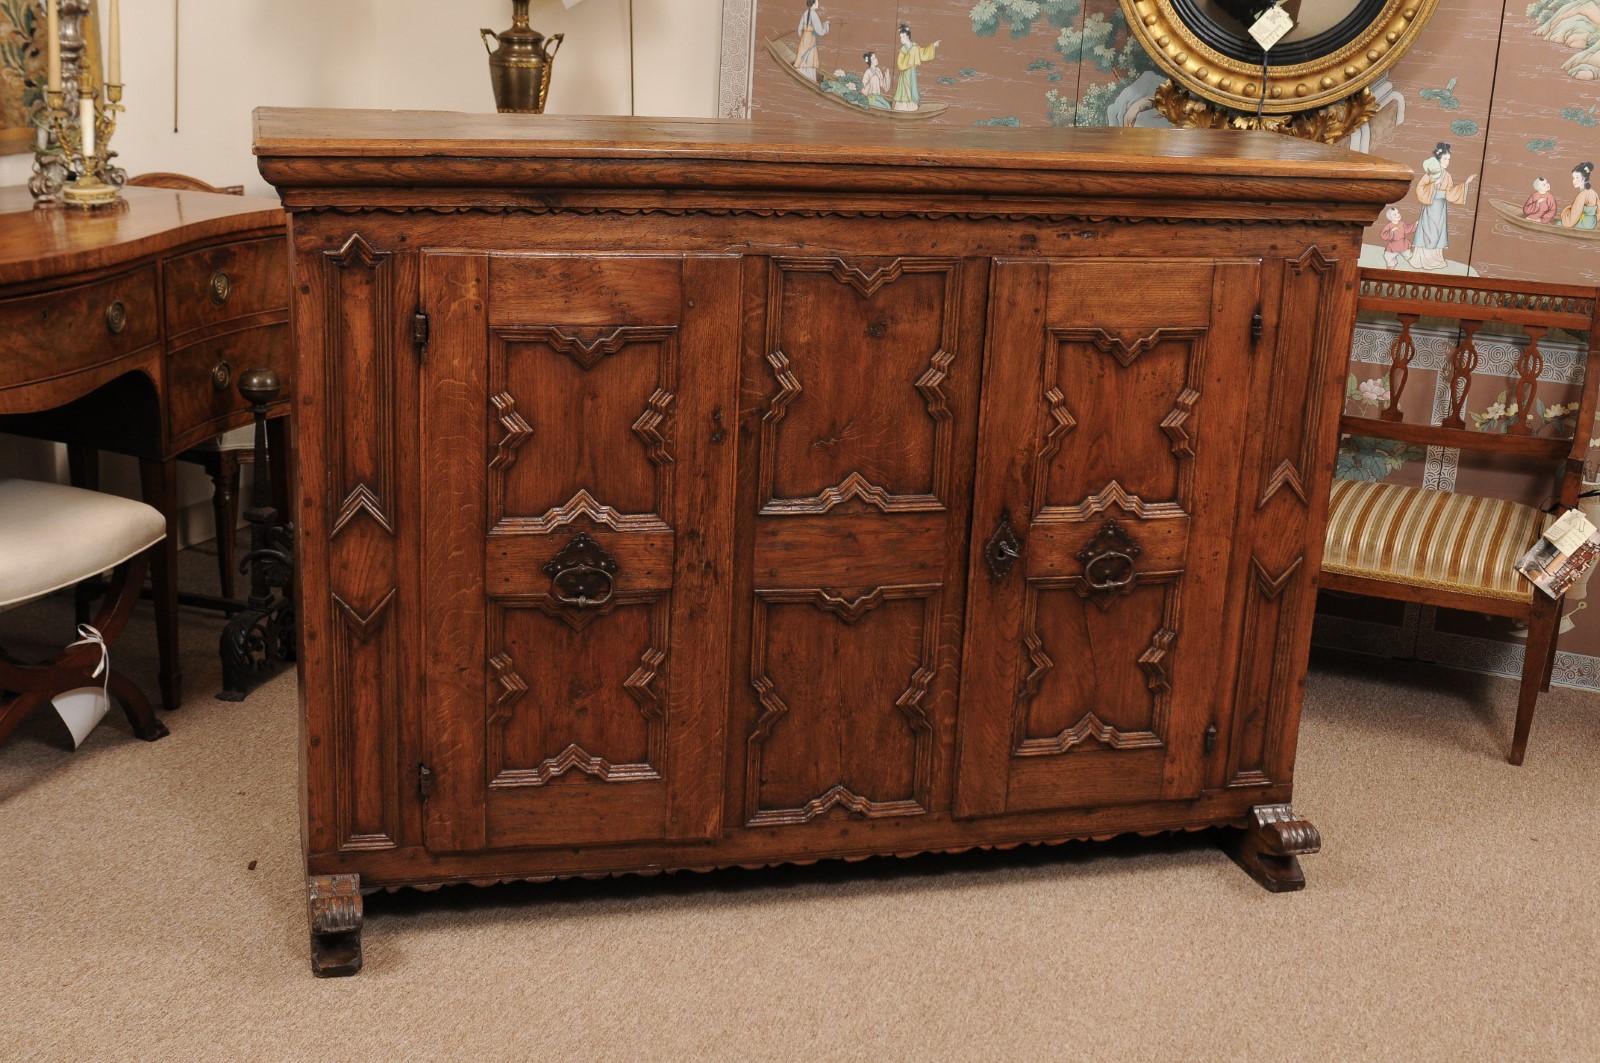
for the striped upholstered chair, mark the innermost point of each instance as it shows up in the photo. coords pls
(1453, 550)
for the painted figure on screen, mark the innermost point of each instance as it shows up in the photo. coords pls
(875, 82)
(1436, 191)
(812, 26)
(1541, 206)
(907, 97)
(1396, 238)
(1581, 213)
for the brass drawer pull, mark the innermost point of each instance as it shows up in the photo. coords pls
(220, 287)
(221, 375)
(116, 318)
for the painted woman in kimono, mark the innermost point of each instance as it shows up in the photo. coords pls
(912, 55)
(811, 27)
(1436, 191)
(875, 82)
(1581, 215)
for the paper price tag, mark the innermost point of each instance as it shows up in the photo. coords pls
(1570, 531)
(1271, 26)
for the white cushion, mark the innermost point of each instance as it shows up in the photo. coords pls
(52, 536)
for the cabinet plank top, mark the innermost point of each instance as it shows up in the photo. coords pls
(287, 139)
(36, 244)
(318, 131)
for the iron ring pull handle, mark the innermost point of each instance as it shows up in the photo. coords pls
(1097, 579)
(583, 586)
(582, 574)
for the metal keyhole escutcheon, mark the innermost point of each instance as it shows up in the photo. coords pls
(1002, 549)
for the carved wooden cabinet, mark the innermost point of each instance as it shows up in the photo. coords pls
(687, 494)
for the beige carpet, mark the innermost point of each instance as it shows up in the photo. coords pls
(153, 911)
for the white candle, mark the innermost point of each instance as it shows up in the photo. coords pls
(53, 44)
(114, 64)
(86, 124)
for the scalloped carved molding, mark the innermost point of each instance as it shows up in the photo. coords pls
(1176, 423)
(517, 430)
(581, 505)
(587, 347)
(648, 426)
(1112, 494)
(589, 210)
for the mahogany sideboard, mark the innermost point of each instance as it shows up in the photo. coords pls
(681, 494)
(122, 330)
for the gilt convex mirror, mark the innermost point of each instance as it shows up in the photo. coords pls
(1316, 79)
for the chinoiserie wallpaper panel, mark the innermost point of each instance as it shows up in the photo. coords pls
(1495, 107)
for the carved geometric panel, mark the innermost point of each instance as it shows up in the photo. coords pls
(1096, 679)
(1303, 330)
(577, 705)
(1109, 404)
(364, 648)
(359, 378)
(583, 397)
(859, 356)
(1262, 695)
(815, 652)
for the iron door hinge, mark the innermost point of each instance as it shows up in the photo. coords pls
(1256, 326)
(424, 781)
(419, 332)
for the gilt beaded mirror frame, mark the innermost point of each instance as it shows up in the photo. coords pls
(1316, 81)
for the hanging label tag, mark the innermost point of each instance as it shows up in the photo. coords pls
(1271, 26)
(1570, 531)
(1561, 557)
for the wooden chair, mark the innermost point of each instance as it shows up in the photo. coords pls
(51, 537)
(1453, 550)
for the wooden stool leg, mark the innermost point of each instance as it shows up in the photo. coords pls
(19, 708)
(83, 469)
(141, 717)
(159, 480)
(1543, 627)
(224, 470)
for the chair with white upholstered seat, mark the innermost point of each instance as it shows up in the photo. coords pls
(52, 537)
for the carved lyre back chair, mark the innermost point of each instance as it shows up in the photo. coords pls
(1454, 550)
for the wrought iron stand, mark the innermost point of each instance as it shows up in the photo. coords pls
(261, 637)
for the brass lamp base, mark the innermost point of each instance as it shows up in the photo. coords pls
(91, 193)
(1329, 124)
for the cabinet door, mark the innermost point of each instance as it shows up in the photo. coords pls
(577, 545)
(1114, 406)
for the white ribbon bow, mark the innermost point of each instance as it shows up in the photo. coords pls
(88, 635)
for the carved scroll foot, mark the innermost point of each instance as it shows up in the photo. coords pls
(334, 905)
(1268, 849)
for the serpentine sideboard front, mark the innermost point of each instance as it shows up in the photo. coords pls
(681, 494)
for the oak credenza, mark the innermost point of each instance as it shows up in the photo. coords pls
(680, 494)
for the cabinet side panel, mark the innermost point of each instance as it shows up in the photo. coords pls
(1287, 476)
(364, 684)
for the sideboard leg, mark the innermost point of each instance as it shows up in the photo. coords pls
(1268, 849)
(334, 905)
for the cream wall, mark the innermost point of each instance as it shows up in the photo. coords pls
(240, 54)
